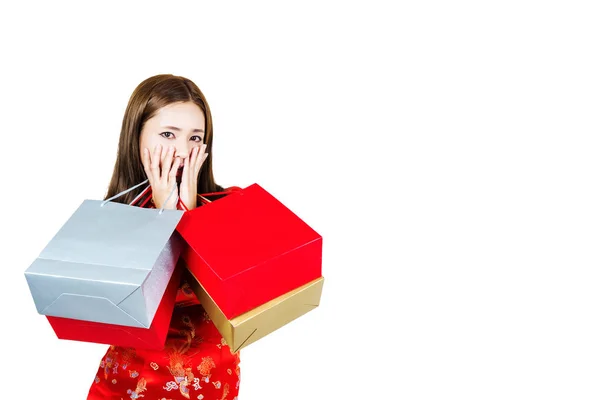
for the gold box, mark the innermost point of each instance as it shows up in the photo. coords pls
(247, 328)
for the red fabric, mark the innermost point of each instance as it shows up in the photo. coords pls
(257, 249)
(195, 363)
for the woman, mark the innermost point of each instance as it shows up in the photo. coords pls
(166, 137)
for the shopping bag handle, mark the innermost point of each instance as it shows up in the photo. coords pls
(179, 201)
(143, 193)
(149, 189)
(140, 195)
(203, 199)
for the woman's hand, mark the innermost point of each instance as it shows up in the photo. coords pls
(162, 175)
(188, 188)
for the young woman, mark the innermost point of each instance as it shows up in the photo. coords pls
(166, 137)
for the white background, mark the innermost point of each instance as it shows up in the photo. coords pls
(446, 151)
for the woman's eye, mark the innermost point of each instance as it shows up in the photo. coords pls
(166, 134)
(197, 138)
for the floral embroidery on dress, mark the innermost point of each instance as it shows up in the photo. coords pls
(128, 354)
(181, 373)
(108, 362)
(171, 386)
(205, 317)
(205, 366)
(197, 384)
(110, 365)
(194, 355)
(225, 391)
(187, 290)
(141, 386)
(187, 321)
(186, 335)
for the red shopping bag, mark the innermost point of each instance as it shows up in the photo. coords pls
(247, 248)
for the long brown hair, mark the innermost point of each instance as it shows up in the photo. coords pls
(147, 98)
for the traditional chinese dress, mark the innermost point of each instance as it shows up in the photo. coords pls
(195, 363)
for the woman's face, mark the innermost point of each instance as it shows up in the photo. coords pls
(181, 125)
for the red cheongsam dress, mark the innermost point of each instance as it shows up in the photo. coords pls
(195, 363)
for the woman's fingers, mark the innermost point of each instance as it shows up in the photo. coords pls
(193, 156)
(172, 178)
(199, 160)
(146, 163)
(185, 174)
(204, 157)
(155, 163)
(162, 174)
(192, 162)
(167, 161)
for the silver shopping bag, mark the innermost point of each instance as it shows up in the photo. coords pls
(109, 263)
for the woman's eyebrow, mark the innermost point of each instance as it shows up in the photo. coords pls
(179, 130)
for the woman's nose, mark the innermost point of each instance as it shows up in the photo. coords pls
(182, 152)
